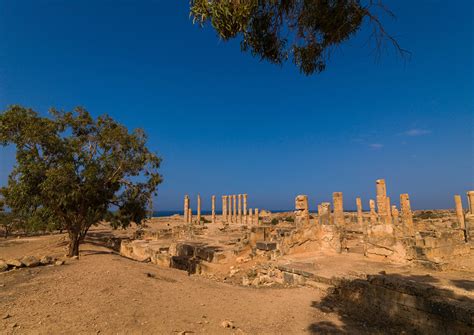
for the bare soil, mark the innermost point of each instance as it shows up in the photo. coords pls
(105, 293)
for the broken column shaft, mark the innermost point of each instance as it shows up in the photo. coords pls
(239, 208)
(213, 204)
(407, 215)
(245, 208)
(359, 211)
(198, 209)
(338, 208)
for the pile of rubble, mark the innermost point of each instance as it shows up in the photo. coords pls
(28, 262)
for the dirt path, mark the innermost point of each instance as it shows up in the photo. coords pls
(105, 293)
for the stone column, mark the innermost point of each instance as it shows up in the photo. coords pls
(373, 214)
(186, 207)
(459, 211)
(338, 208)
(256, 216)
(213, 202)
(469, 218)
(245, 208)
(229, 209)
(199, 209)
(360, 218)
(470, 201)
(324, 211)
(239, 208)
(395, 215)
(381, 190)
(224, 208)
(407, 215)
(388, 209)
(190, 215)
(234, 212)
(301, 210)
(250, 217)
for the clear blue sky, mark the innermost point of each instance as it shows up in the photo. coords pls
(225, 122)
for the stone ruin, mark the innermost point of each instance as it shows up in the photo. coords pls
(257, 248)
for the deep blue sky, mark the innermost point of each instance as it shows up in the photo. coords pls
(225, 122)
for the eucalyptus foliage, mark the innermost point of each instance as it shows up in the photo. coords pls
(74, 171)
(304, 30)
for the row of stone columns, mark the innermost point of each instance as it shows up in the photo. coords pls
(381, 210)
(234, 209)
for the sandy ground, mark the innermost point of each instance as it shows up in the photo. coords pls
(108, 294)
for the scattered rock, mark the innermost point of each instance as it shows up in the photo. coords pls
(6, 316)
(30, 261)
(59, 262)
(46, 260)
(75, 258)
(228, 324)
(245, 281)
(14, 262)
(3, 266)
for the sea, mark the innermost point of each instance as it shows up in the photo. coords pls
(158, 214)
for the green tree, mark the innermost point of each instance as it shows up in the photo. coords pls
(75, 171)
(5, 220)
(306, 30)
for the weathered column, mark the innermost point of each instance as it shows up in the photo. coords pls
(213, 204)
(186, 207)
(234, 212)
(256, 216)
(239, 208)
(224, 208)
(360, 219)
(190, 215)
(373, 214)
(250, 217)
(199, 209)
(407, 215)
(229, 209)
(324, 211)
(470, 201)
(245, 208)
(395, 215)
(301, 210)
(459, 211)
(381, 190)
(469, 218)
(388, 209)
(338, 208)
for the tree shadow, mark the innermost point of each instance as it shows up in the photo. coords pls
(103, 239)
(465, 284)
(396, 303)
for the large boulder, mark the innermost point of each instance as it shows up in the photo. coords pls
(30, 261)
(3, 266)
(14, 262)
(46, 260)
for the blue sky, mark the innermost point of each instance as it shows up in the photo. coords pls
(225, 123)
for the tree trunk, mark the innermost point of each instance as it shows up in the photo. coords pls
(74, 241)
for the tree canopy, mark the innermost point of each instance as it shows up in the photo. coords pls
(304, 30)
(76, 171)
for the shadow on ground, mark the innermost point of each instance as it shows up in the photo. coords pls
(394, 304)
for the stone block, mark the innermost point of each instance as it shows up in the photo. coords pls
(30, 261)
(161, 259)
(184, 263)
(266, 246)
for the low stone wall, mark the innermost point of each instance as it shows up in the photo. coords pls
(412, 306)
